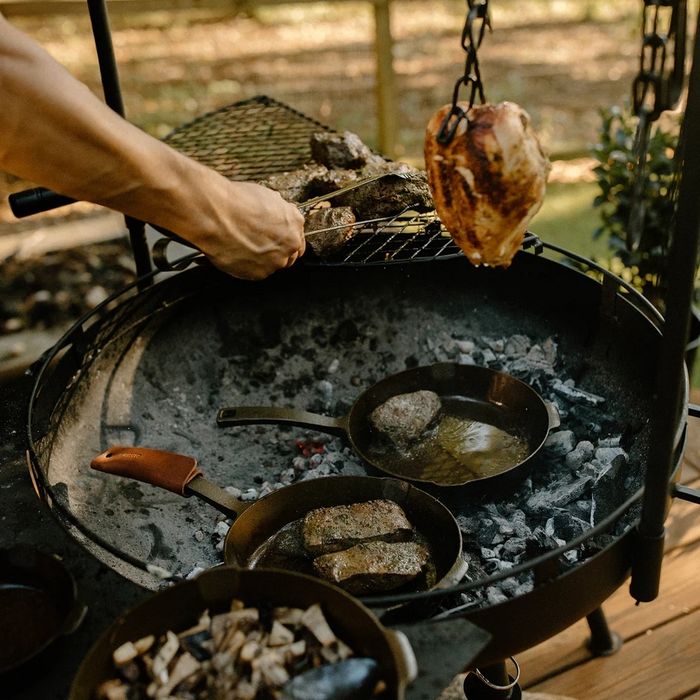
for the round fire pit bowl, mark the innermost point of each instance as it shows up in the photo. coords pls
(153, 367)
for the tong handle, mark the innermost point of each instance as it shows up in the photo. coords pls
(36, 200)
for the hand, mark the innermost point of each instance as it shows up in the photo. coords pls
(255, 231)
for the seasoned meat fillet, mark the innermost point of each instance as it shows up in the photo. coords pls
(325, 243)
(339, 527)
(373, 566)
(488, 181)
(405, 418)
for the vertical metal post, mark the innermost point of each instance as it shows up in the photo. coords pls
(646, 566)
(109, 75)
(387, 109)
(602, 642)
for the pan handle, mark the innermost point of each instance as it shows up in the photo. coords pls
(406, 662)
(168, 470)
(247, 415)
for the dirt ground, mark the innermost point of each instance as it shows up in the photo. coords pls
(562, 60)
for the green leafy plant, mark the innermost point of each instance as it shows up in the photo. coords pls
(645, 265)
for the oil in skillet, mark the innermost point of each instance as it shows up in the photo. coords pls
(472, 440)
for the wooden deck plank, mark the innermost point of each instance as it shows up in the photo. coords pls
(679, 594)
(660, 665)
(683, 523)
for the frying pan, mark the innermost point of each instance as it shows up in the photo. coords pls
(494, 425)
(257, 536)
(179, 607)
(38, 604)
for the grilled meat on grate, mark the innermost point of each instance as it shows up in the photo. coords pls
(327, 230)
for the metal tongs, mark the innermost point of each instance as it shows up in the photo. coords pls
(161, 246)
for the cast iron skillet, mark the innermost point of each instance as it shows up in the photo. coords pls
(38, 604)
(178, 607)
(509, 424)
(250, 541)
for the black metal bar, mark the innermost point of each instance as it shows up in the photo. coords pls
(685, 493)
(99, 19)
(646, 567)
(36, 200)
(109, 74)
(603, 641)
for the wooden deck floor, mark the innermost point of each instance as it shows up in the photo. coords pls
(660, 656)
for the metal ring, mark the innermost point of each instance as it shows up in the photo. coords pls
(493, 686)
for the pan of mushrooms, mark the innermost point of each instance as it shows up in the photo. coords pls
(444, 425)
(235, 633)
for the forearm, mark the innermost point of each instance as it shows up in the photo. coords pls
(57, 133)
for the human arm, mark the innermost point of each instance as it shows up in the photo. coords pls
(56, 133)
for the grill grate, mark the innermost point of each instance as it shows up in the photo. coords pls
(260, 137)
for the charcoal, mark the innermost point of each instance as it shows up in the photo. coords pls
(558, 495)
(606, 455)
(389, 196)
(495, 596)
(566, 526)
(538, 360)
(554, 415)
(488, 554)
(487, 356)
(495, 565)
(373, 566)
(609, 490)
(352, 678)
(404, 418)
(539, 543)
(580, 454)
(573, 393)
(339, 527)
(560, 443)
(514, 548)
(496, 344)
(517, 346)
(339, 150)
(614, 441)
(465, 346)
(325, 243)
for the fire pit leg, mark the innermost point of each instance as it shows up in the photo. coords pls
(493, 683)
(602, 642)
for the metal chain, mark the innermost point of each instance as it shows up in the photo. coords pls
(656, 88)
(475, 25)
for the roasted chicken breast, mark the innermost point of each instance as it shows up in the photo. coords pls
(488, 181)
